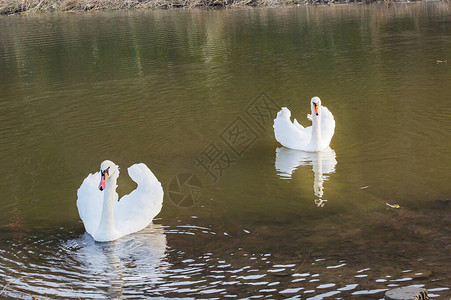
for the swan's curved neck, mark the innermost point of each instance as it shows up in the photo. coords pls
(316, 131)
(106, 226)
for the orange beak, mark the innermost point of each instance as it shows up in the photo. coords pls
(103, 179)
(316, 108)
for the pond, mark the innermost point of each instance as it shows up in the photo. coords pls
(175, 89)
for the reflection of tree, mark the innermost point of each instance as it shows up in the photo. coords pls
(16, 223)
(58, 72)
(177, 38)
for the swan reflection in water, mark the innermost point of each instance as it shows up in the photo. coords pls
(322, 162)
(137, 257)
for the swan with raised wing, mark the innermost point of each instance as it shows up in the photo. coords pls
(313, 138)
(107, 219)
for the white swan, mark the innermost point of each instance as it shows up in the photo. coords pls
(313, 138)
(107, 219)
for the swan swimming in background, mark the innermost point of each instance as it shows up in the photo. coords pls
(313, 138)
(107, 219)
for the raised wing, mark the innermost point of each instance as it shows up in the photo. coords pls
(291, 134)
(136, 210)
(327, 126)
(89, 202)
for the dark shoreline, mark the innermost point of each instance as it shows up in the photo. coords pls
(10, 7)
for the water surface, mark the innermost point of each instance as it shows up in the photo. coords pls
(167, 87)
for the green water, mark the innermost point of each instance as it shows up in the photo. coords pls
(164, 87)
